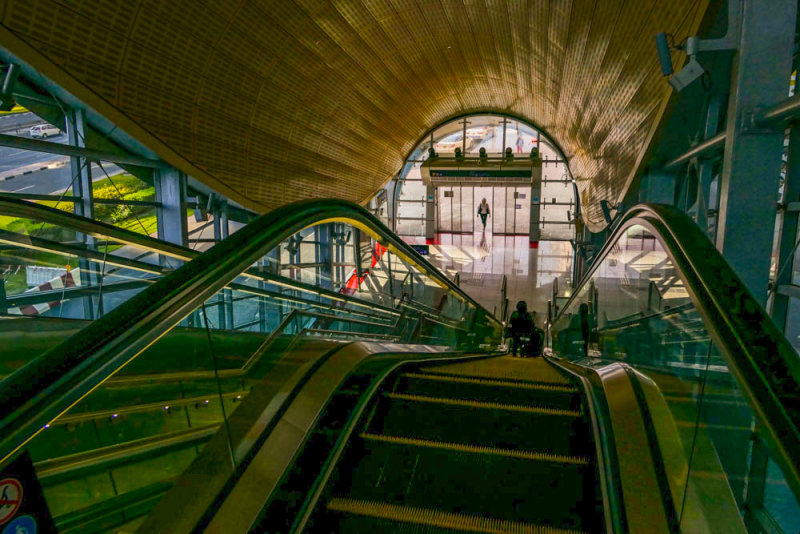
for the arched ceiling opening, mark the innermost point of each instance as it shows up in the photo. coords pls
(275, 101)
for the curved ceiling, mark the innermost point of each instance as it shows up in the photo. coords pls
(275, 101)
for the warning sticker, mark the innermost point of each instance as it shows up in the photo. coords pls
(10, 498)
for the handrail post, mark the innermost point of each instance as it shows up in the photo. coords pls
(3, 301)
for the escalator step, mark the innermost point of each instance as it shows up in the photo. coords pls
(539, 410)
(489, 423)
(491, 390)
(433, 519)
(520, 384)
(541, 456)
(481, 481)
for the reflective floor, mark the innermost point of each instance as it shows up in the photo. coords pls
(483, 259)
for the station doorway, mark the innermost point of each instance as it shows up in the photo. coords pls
(457, 209)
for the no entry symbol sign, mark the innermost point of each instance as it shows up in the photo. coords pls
(10, 498)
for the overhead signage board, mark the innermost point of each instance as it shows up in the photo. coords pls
(450, 172)
(480, 173)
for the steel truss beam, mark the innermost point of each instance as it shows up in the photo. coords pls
(23, 143)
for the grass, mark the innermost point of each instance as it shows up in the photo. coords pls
(139, 219)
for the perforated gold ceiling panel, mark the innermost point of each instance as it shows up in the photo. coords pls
(275, 101)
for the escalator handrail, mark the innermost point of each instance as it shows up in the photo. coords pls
(47, 387)
(77, 223)
(30, 210)
(761, 359)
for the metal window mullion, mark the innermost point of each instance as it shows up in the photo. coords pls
(788, 231)
(706, 166)
(82, 191)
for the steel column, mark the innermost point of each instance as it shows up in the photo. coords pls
(536, 194)
(171, 215)
(752, 158)
(788, 231)
(80, 170)
(80, 166)
(706, 202)
(324, 252)
(221, 232)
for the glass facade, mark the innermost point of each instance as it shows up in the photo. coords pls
(456, 207)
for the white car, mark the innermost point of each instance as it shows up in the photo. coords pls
(43, 131)
(449, 143)
(478, 132)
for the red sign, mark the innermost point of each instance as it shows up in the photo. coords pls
(10, 498)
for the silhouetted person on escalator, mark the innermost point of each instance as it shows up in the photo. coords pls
(521, 327)
(583, 311)
(536, 346)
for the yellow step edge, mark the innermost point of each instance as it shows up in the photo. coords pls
(437, 518)
(540, 386)
(551, 379)
(542, 410)
(477, 449)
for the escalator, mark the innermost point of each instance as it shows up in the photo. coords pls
(368, 398)
(500, 443)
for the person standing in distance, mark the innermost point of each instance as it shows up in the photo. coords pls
(483, 212)
(521, 327)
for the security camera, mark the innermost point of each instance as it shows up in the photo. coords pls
(690, 72)
(662, 46)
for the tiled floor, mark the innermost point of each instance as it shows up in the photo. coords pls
(483, 259)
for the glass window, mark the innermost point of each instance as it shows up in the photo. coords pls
(456, 205)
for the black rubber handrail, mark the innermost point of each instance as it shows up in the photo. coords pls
(761, 359)
(30, 210)
(47, 387)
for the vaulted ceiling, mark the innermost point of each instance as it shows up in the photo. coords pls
(271, 101)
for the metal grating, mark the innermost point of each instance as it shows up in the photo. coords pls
(273, 101)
